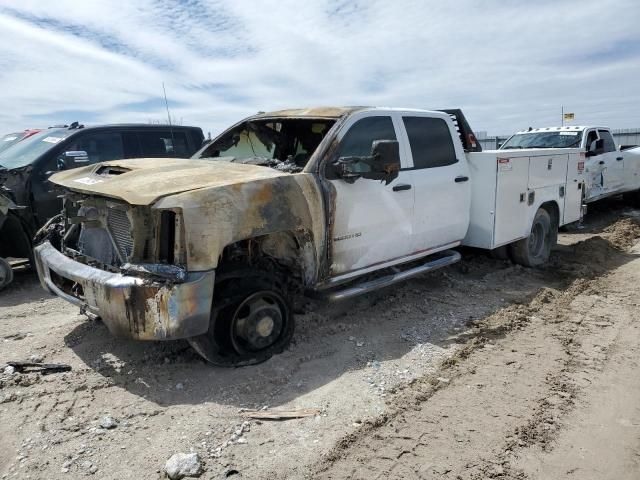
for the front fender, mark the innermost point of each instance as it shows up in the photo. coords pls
(219, 216)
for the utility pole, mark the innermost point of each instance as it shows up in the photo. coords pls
(562, 107)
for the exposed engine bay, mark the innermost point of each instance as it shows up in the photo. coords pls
(285, 144)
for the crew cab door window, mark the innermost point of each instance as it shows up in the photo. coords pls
(592, 136)
(163, 144)
(359, 138)
(609, 144)
(100, 146)
(441, 182)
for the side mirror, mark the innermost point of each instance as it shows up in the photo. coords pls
(383, 164)
(596, 148)
(72, 159)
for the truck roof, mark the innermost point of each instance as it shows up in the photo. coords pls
(572, 128)
(332, 112)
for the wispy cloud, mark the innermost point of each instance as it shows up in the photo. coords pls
(509, 65)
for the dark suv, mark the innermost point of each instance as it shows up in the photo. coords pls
(26, 166)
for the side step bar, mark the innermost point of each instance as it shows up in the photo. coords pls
(448, 257)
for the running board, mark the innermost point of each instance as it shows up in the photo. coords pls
(450, 257)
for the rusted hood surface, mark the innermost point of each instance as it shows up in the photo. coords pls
(142, 181)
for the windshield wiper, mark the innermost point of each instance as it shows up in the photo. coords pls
(512, 147)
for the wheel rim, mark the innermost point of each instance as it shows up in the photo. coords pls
(536, 239)
(258, 322)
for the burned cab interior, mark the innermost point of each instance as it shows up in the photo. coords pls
(285, 144)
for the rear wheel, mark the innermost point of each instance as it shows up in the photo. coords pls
(251, 320)
(6, 273)
(536, 248)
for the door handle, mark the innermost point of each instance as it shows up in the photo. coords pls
(401, 186)
(461, 179)
(620, 158)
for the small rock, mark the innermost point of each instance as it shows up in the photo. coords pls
(497, 471)
(179, 386)
(359, 344)
(108, 422)
(36, 358)
(182, 465)
(443, 380)
(9, 370)
(93, 469)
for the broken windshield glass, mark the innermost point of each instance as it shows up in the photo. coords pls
(283, 144)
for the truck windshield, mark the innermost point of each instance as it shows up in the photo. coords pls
(560, 139)
(285, 144)
(25, 152)
(10, 139)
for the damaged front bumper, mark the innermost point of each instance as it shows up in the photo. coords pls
(131, 306)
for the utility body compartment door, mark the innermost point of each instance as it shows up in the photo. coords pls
(512, 199)
(574, 190)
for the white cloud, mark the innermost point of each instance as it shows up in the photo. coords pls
(508, 65)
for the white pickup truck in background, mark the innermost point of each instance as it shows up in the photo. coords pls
(608, 170)
(340, 201)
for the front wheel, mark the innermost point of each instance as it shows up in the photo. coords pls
(251, 320)
(536, 248)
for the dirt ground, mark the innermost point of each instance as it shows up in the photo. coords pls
(480, 370)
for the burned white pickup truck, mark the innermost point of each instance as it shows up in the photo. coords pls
(339, 201)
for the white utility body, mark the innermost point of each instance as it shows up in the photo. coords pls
(508, 187)
(608, 171)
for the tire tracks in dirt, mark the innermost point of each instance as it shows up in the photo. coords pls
(510, 386)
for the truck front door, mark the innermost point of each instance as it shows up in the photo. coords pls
(440, 177)
(372, 222)
(614, 175)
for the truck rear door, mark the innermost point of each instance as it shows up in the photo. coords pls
(440, 178)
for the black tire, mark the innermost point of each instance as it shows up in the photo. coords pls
(535, 250)
(6, 273)
(632, 198)
(251, 320)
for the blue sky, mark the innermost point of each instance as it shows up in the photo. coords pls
(508, 65)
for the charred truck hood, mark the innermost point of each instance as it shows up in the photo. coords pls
(146, 180)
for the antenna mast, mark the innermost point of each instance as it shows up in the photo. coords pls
(166, 104)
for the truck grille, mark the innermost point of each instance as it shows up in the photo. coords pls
(120, 228)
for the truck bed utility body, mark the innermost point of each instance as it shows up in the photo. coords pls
(333, 200)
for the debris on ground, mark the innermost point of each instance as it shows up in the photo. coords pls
(108, 422)
(43, 368)
(182, 465)
(274, 414)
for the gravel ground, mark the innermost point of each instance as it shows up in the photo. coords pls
(483, 369)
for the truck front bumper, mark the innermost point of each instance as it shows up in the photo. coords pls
(130, 306)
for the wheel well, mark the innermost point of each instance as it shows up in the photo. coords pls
(554, 212)
(15, 241)
(287, 253)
